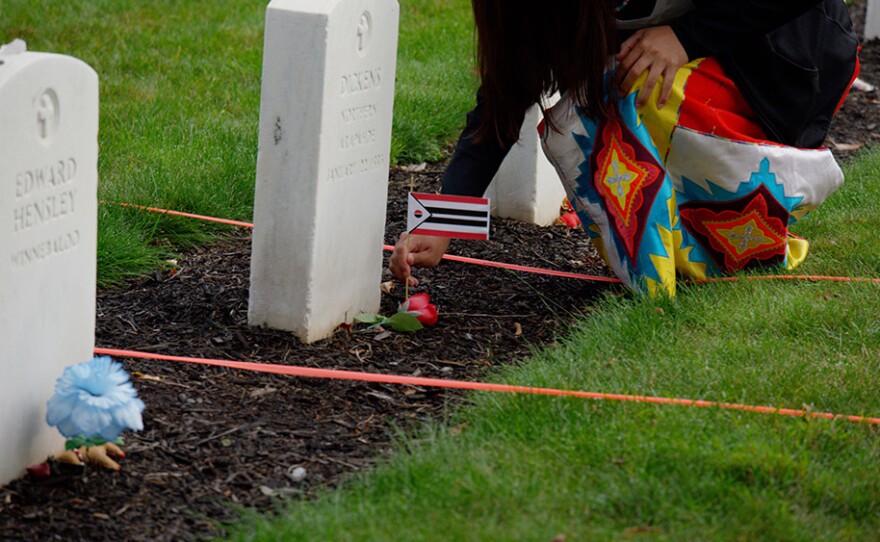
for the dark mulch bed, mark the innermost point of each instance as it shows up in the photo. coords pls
(217, 439)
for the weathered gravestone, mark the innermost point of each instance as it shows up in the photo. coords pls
(48, 237)
(526, 187)
(872, 20)
(322, 168)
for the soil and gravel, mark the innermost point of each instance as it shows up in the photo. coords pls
(217, 440)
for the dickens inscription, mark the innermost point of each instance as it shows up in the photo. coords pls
(361, 81)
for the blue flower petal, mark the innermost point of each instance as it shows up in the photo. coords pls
(95, 398)
(59, 408)
(129, 415)
(90, 420)
(111, 432)
(67, 428)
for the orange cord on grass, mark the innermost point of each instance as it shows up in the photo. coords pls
(186, 215)
(479, 386)
(387, 248)
(310, 372)
(535, 270)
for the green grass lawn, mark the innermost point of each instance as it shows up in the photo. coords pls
(531, 468)
(179, 114)
(179, 105)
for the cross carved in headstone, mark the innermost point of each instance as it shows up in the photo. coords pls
(363, 31)
(45, 115)
(618, 178)
(746, 238)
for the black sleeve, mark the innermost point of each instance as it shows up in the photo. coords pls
(716, 26)
(473, 165)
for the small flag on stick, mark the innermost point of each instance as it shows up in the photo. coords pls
(440, 215)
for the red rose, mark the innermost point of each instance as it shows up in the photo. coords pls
(570, 219)
(420, 306)
(43, 470)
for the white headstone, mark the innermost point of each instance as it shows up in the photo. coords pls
(872, 20)
(322, 168)
(526, 187)
(48, 242)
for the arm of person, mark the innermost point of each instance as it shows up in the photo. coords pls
(471, 169)
(474, 165)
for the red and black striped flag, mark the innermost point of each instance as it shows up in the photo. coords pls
(448, 216)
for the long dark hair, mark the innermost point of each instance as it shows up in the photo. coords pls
(525, 51)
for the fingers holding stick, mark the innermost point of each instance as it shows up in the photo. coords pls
(416, 251)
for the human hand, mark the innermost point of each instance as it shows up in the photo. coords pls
(421, 251)
(654, 50)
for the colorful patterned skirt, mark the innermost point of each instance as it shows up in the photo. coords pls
(694, 189)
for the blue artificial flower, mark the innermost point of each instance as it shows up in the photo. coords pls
(95, 398)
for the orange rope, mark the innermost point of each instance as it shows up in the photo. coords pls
(186, 215)
(309, 372)
(524, 268)
(480, 386)
(535, 270)
(388, 248)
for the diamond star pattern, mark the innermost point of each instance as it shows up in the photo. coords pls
(627, 180)
(751, 230)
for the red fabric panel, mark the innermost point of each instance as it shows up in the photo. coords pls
(713, 105)
(851, 81)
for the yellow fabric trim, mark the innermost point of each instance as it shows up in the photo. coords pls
(796, 252)
(683, 262)
(665, 267)
(801, 212)
(661, 122)
(655, 289)
(599, 245)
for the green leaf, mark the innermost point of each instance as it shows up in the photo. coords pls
(95, 441)
(74, 442)
(370, 318)
(403, 321)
